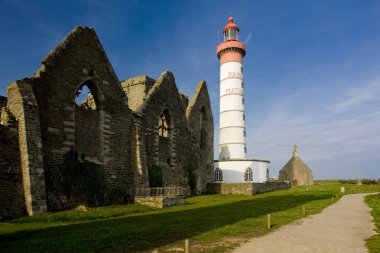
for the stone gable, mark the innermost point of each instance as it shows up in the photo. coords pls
(117, 126)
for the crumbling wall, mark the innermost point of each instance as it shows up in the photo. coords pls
(11, 186)
(200, 119)
(136, 89)
(87, 137)
(102, 135)
(24, 107)
(163, 96)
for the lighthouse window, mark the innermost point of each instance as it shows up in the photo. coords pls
(244, 133)
(245, 149)
(241, 69)
(242, 101)
(218, 175)
(248, 175)
(242, 84)
(243, 116)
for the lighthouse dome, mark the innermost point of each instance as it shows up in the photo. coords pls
(231, 30)
(231, 25)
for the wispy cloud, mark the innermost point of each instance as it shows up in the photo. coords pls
(358, 95)
(331, 119)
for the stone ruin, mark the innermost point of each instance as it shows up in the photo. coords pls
(125, 127)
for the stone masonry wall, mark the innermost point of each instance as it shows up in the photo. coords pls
(245, 188)
(11, 186)
(79, 60)
(24, 107)
(200, 119)
(180, 141)
(124, 142)
(87, 128)
(136, 89)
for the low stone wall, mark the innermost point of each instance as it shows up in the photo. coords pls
(245, 188)
(160, 202)
(269, 186)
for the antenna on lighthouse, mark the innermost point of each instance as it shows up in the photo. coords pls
(248, 39)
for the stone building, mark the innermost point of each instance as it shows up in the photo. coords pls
(124, 127)
(296, 172)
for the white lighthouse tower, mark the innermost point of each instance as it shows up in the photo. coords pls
(233, 165)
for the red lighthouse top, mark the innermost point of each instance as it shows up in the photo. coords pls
(231, 25)
(231, 44)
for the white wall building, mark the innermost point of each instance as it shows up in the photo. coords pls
(233, 165)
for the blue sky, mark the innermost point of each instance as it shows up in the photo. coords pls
(312, 69)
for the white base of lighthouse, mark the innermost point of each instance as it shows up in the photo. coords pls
(236, 171)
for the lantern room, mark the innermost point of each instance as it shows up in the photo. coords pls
(231, 30)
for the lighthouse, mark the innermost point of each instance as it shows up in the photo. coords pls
(233, 165)
(232, 133)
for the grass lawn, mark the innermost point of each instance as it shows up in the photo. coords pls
(213, 223)
(373, 243)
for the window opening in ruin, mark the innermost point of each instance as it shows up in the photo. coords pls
(248, 175)
(218, 175)
(87, 121)
(163, 127)
(84, 98)
(164, 134)
(267, 174)
(203, 131)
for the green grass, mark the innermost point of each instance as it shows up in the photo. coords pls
(373, 243)
(213, 223)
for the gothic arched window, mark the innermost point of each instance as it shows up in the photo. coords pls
(87, 120)
(218, 175)
(248, 175)
(164, 123)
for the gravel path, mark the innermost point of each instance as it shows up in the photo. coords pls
(341, 227)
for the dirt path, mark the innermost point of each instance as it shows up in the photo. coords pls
(341, 227)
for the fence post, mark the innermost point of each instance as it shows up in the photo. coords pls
(187, 246)
(268, 220)
(303, 210)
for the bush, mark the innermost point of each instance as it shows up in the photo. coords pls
(363, 181)
(192, 179)
(82, 181)
(155, 176)
(348, 181)
(117, 192)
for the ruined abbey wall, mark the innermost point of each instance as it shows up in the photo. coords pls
(117, 128)
(201, 123)
(11, 193)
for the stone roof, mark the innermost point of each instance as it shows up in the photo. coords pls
(295, 163)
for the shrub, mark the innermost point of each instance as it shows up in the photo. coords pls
(369, 181)
(155, 176)
(117, 192)
(192, 179)
(363, 181)
(82, 181)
